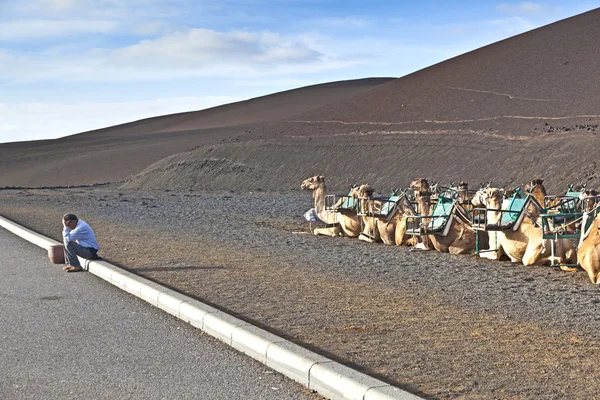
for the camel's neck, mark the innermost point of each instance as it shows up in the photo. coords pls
(463, 195)
(319, 197)
(595, 225)
(493, 216)
(423, 201)
(589, 204)
(539, 193)
(405, 208)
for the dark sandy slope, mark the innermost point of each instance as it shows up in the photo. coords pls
(116, 153)
(525, 107)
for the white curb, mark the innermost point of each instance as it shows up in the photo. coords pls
(319, 373)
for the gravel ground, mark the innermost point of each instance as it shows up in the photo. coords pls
(438, 325)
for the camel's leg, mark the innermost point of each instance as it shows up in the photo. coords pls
(423, 244)
(594, 276)
(569, 257)
(412, 241)
(491, 254)
(387, 231)
(334, 231)
(587, 263)
(366, 238)
(532, 254)
(568, 269)
(460, 236)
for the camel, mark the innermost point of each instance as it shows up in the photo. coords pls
(568, 202)
(390, 217)
(537, 190)
(423, 197)
(520, 236)
(368, 208)
(386, 217)
(588, 199)
(588, 252)
(453, 235)
(339, 221)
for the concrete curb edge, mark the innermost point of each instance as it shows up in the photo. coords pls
(327, 377)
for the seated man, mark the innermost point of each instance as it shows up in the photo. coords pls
(79, 240)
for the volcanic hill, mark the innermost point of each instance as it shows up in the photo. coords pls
(116, 153)
(522, 108)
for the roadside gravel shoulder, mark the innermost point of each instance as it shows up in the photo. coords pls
(437, 325)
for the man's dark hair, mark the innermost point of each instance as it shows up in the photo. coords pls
(70, 217)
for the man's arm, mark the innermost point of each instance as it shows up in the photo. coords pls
(70, 231)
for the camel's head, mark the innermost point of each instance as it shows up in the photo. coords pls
(488, 198)
(313, 183)
(355, 191)
(478, 199)
(419, 185)
(493, 198)
(365, 190)
(589, 199)
(536, 185)
(537, 189)
(533, 183)
(463, 191)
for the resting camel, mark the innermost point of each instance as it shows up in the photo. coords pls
(458, 237)
(537, 190)
(391, 227)
(588, 252)
(423, 197)
(368, 207)
(339, 221)
(523, 242)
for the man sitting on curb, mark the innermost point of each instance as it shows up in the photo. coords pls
(79, 240)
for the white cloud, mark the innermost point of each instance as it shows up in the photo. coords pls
(148, 28)
(193, 53)
(33, 121)
(201, 47)
(59, 5)
(24, 30)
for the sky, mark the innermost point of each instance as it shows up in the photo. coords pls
(69, 66)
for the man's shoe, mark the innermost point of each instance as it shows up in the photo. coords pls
(74, 269)
(66, 267)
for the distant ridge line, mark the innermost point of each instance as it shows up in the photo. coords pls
(439, 122)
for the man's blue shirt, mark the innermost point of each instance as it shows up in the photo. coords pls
(82, 235)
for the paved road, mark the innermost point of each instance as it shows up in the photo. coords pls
(74, 336)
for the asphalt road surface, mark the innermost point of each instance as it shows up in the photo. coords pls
(73, 336)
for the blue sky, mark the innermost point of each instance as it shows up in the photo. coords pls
(68, 66)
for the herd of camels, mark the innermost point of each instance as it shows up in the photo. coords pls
(535, 231)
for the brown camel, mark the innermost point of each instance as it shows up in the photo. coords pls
(588, 199)
(423, 197)
(449, 230)
(368, 208)
(340, 221)
(519, 234)
(537, 190)
(381, 217)
(390, 215)
(588, 252)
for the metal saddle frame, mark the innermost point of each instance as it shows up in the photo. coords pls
(438, 223)
(512, 213)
